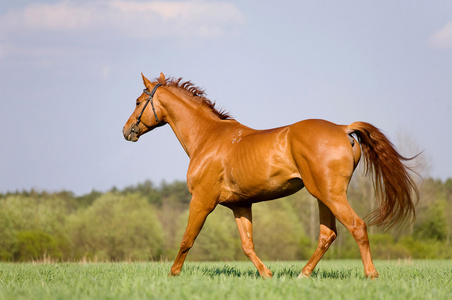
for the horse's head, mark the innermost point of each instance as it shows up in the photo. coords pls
(148, 112)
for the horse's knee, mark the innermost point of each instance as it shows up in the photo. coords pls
(248, 249)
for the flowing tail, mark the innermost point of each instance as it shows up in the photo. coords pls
(395, 189)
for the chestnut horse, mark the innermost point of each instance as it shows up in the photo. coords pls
(236, 166)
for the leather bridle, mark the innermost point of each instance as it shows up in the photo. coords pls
(135, 129)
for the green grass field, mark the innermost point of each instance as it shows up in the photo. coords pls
(332, 279)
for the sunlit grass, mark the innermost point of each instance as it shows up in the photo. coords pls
(334, 279)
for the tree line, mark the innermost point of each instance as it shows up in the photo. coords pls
(145, 222)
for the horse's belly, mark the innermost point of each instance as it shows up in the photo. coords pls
(251, 191)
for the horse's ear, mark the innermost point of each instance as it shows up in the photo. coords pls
(146, 81)
(162, 78)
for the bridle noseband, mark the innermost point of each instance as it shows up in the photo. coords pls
(135, 128)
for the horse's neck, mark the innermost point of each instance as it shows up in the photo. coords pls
(192, 123)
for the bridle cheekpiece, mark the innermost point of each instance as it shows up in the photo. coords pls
(151, 94)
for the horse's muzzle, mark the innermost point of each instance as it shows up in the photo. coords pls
(130, 134)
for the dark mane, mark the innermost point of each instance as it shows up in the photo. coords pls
(196, 94)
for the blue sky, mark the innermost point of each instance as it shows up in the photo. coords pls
(70, 74)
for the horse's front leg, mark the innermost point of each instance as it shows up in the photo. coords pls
(198, 213)
(243, 217)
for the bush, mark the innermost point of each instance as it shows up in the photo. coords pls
(35, 245)
(117, 227)
(31, 225)
(426, 249)
(383, 246)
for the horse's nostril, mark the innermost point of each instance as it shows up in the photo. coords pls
(126, 133)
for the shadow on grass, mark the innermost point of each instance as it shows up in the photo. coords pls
(229, 271)
(289, 272)
(337, 274)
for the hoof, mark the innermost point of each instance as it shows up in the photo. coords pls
(373, 275)
(266, 274)
(302, 276)
(173, 273)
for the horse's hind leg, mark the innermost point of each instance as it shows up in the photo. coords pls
(342, 210)
(243, 217)
(327, 236)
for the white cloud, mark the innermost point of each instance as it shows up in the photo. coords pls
(442, 39)
(195, 18)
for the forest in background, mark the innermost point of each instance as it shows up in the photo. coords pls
(145, 222)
